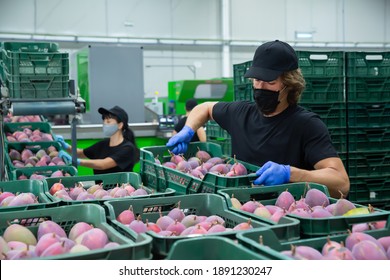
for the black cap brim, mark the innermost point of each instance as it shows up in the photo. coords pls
(104, 111)
(262, 74)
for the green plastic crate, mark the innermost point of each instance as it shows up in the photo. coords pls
(368, 64)
(239, 71)
(34, 147)
(218, 248)
(160, 177)
(26, 58)
(29, 47)
(30, 88)
(24, 186)
(333, 115)
(197, 204)
(364, 139)
(309, 227)
(108, 181)
(271, 247)
(130, 248)
(243, 92)
(323, 90)
(319, 64)
(370, 189)
(46, 171)
(368, 89)
(38, 63)
(369, 163)
(215, 131)
(226, 145)
(42, 127)
(338, 135)
(287, 228)
(368, 114)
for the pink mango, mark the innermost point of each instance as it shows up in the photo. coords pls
(50, 227)
(78, 229)
(94, 239)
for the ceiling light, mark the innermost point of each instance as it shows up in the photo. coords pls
(177, 42)
(245, 43)
(15, 36)
(303, 35)
(207, 42)
(54, 38)
(98, 39)
(138, 41)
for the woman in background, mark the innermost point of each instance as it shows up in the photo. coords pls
(116, 153)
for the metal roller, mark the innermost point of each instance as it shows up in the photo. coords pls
(43, 108)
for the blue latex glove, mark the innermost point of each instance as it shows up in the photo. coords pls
(60, 139)
(67, 158)
(272, 173)
(180, 141)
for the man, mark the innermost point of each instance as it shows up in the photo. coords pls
(290, 143)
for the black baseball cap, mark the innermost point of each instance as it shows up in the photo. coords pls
(191, 103)
(272, 59)
(117, 112)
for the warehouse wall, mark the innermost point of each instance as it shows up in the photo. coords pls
(331, 21)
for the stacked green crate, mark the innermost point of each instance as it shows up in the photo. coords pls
(325, 92)
(368, 96)
(215, 134)
(34, 70)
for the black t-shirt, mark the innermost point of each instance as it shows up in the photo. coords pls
(123, 155)
(179, 126)
(296, 136)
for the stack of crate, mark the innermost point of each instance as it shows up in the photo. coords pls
(242, 86)
(325, 93)
(33, 71)
(368, 97)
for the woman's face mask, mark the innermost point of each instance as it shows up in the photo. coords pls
(266, 100)
(110, 129)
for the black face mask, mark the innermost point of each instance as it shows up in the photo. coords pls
(266, 100)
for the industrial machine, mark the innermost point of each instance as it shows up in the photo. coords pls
(219, 89)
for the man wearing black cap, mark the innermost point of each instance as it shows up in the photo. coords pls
(116, 153)
(288, 142)
(200, 134)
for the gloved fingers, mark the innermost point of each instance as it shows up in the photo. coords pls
(58, 137)
(172, 141)
(266, 165)
(65, 157)
(264, 177)
(180, 148)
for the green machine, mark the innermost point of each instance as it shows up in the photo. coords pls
(202, 90)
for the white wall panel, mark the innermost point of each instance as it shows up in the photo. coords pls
(17, 16)
(365, 21)
(174, 64)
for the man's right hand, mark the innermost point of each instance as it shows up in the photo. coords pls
(179, 142)
(61, 141)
